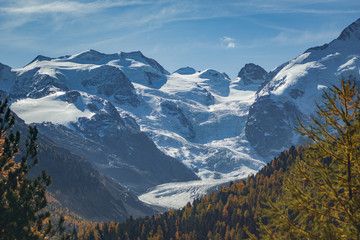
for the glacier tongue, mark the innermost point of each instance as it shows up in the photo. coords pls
(176, 195)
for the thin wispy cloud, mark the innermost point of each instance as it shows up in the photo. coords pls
(156, 12)
(289, 6)
(292, 38)
(304, 37)
(66, 7)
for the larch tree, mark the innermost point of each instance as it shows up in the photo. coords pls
(321, 194)
(22, 199)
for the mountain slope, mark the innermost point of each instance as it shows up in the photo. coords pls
(221, 215)
(293, 88)
(81, 188)
(71, 100)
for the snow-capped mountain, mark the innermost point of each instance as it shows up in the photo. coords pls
(293, 88)
(71, 100)
(100, 105)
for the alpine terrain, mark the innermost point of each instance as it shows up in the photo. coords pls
(171, 137)
(112, 108)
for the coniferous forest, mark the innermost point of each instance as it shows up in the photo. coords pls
(307, 192)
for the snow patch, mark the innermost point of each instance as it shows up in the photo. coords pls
(48, 109)
(321, 87)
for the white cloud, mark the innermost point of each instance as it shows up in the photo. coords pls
(231, 45)
(228, 42)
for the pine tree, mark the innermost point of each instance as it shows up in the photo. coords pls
(321, 195)
(22, 200)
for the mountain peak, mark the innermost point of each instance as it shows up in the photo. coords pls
(351, 32)
(133, 54)
(40, 58)
(252, 74)
(139, 56)
(214, 75)
(88, 56)
(185, 71)
(3, 66)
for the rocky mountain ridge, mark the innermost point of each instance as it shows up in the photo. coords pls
(294, 87)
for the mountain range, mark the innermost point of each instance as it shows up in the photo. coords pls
(170, 137)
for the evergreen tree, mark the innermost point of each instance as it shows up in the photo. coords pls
(22, 200)
(321, 196)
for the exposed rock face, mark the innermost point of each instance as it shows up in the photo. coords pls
(252, 74)
(270, 126)
(7, 79)
(111, 82)
(351, 32)
(186, 128)
(36, 85)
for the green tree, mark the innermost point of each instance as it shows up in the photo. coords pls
(321, 196)
(22, 199)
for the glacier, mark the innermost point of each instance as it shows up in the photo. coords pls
(196, 117)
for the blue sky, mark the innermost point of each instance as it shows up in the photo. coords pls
(218, 34)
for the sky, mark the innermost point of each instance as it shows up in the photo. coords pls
(219, 34)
